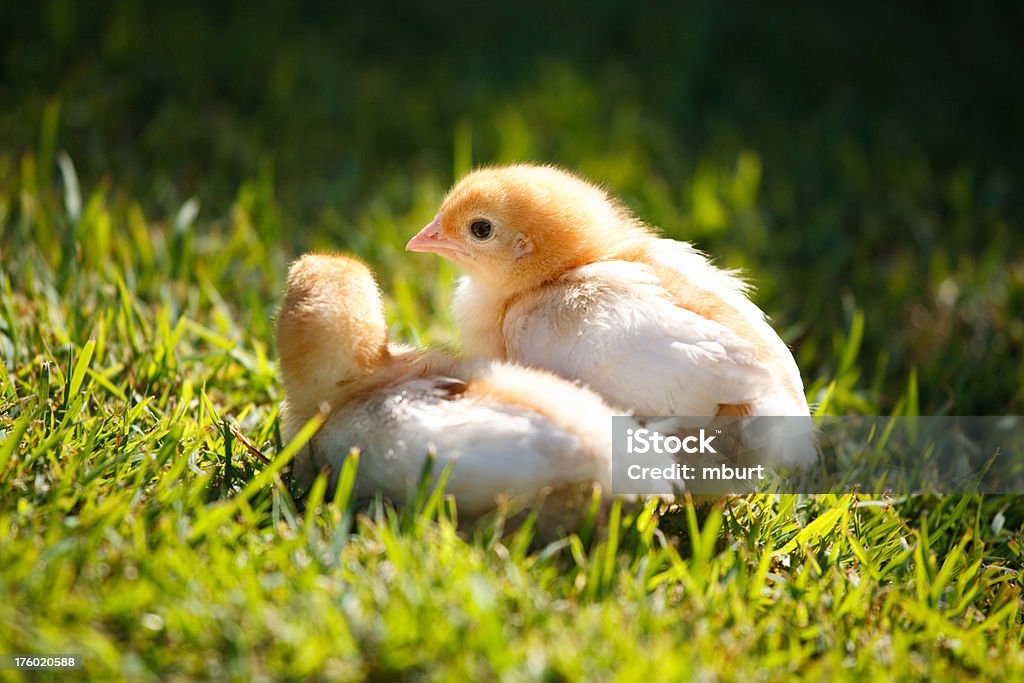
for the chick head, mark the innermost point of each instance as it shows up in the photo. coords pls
(518, 226)
(332, 322)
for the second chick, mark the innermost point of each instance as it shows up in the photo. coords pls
(511, 433)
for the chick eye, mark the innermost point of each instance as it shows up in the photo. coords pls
(481, 229)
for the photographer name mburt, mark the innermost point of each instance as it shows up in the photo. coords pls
(680, 472)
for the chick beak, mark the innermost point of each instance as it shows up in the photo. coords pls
(429, 239)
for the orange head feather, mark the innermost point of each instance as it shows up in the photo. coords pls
(331, 327)
(519, 226)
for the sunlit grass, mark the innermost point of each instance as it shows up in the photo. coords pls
(144, 522)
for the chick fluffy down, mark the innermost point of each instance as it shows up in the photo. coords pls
(510, 434)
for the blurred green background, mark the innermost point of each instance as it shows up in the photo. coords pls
(863, 163)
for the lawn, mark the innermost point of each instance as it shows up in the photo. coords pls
(159, 168)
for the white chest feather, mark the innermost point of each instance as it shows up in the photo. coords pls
(478, 313)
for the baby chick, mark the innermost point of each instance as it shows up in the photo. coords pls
(561, 276)
(510, 432)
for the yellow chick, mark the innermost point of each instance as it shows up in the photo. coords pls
(511, 433)
(561, 276)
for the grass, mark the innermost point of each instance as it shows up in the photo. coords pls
(143, 526)
(145, 520)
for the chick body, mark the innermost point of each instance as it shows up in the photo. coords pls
(568, 280)
(509, 432)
